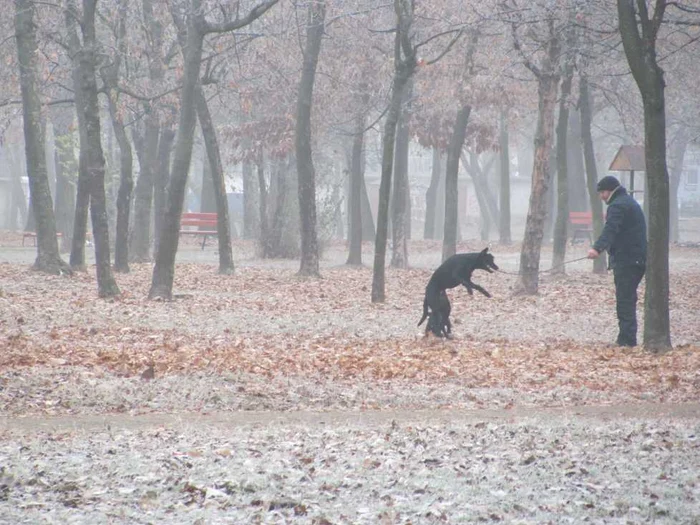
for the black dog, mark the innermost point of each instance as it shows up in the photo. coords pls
(454, 271)
(445, 328)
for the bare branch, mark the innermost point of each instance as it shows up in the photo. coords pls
(682, 7)
(658, 19)
(238, 23)
(354, 13)
(526, 61)
(446, 50)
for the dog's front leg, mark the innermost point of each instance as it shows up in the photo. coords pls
(469, 286)
(480, 289)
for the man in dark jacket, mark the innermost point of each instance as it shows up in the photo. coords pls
(625, 238)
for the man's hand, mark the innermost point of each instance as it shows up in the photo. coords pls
(593, 253)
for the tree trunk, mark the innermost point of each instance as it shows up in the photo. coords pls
(657, 331)
(578, 193)
(528, 279)
(284, 232)
(640, 50)
(66, 174)
(162, 178)
(164, 269)
(403, 71)
(147, 151)
(454, 150)
(368, 229)
(251, 202)
(485, 226)
(110, 77)
(401, 197)
(207, 201)
(431, 196)
(305, 166)
(487, 201)
(504, 232)
(126, 186)
(30, 224)
(678, 148)
(94, 156)
(82, 200)
(48, 258)
(19, 199)
(585, 104)
(337, 199)
(111, 174)
(356, 157)
(80, 217)
(355, 196)
(550, 206)
(562, 217)
(264, 218)
(217, 174)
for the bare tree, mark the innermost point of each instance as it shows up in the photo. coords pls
(110, 79)
(302, 138)
(211, 143)
(547, 74)
(82, 199)
(431, 196)
(562, 158)
(479, 173)
(197, 28)
(678, 147)
(504, 186)
(639, 30)
(357, 175)
(62, 118)
(454, 148)
(48, 258)
(146, 140)
(400, 198)
(92, 160)
(404, 66)
(213, 166)
(585, 103)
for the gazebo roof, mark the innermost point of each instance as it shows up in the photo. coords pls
(629, 158)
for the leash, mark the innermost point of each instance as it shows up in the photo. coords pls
(549, 270)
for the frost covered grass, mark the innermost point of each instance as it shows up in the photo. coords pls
(546, 469)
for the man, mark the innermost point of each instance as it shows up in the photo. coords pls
(625, 238)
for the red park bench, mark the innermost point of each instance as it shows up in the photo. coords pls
(199, 220)
(32, 235)
(582, 221)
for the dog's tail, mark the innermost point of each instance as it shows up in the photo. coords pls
(425, 311)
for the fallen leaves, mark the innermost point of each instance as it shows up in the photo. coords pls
(270, 323)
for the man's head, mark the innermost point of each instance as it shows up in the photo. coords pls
(606, 186)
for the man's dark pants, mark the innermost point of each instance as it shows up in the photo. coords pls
(627, 279)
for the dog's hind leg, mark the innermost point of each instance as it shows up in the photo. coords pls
(447, 328)
(435, 324)
(425, 311)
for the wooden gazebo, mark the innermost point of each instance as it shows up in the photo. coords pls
(631, 159)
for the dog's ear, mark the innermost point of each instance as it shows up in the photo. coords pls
(484, 251)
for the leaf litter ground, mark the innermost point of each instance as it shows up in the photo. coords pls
(264, 339)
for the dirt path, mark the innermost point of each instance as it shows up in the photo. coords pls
(368, 418)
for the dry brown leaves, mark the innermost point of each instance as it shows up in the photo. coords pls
(268, 321)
